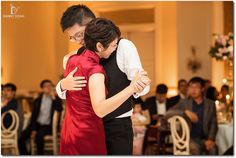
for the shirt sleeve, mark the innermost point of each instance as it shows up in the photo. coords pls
(61, 94)
(95, 69)
(129, 62)
(11, 105)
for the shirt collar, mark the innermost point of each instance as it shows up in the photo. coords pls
(160, 103)
(182, 96)
(195, 103)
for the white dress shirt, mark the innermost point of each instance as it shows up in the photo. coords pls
(161, 108)
(128, 62)
(45, 110)
(182, 96)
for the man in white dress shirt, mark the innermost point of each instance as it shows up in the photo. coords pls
(120, 68)
(158, 104)
(42, 118)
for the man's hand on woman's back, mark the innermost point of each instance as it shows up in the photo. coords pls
(73, 83)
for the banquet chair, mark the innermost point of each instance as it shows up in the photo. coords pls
(63, 112)
(9, 136)
(51, 142)
(180, 135)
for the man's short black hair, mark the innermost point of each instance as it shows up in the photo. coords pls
(162, 89)
(10, 85)
(180, 81)
(100, 30)
(76, 14)
(45, 81)
(197, 80)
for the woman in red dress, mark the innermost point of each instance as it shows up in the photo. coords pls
(83, 131)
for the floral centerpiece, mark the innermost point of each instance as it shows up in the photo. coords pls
(223, 47)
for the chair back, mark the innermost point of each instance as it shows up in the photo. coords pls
(9, 135)
(55, 122)
(11, 131)
(180, 135)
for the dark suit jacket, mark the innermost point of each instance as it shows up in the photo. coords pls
(11, 105)
(210, 127)
(15, 105)
(56, 105)
(174, 100)
(150, 104)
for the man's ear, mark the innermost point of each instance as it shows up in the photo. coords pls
(99, 47)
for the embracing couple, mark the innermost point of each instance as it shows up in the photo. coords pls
(99, 81)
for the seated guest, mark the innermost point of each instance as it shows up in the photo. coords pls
(202, 114)
(140, 119)
(8, 102)
(159, 104)
(41, 118)
(140, 101)
(182, 92)
(223, 92)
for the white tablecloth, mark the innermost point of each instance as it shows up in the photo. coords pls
(224, 137)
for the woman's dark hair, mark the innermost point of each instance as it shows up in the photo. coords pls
(197, 80)
(100, 30)
(45, 81)
(211, 93)
(226, 87)
(76, 14)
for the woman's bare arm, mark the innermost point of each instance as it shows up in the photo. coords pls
(101, 105)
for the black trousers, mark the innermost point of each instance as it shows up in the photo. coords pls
(41, 130)
(119, 136)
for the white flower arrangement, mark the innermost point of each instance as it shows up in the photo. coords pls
(223, 47)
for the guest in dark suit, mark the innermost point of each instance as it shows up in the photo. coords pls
(201, 112)
(8, 102)
(182, 92)
(41, 118)
(159, 104)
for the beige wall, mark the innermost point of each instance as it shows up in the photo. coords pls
(166, 44)
(27, 44)
(194, 29)
(217, 73)
(32, 46)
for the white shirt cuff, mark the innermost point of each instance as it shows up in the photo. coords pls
(61, 94)
(144, 92)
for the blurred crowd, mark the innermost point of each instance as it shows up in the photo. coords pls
(198, 101)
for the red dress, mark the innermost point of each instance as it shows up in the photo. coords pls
(82, 131)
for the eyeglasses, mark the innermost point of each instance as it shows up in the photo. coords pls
(77, 37)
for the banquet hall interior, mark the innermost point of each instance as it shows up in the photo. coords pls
(180, 43)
